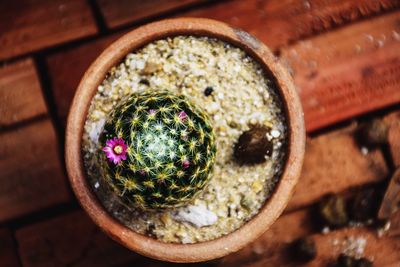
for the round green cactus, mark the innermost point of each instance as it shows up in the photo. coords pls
(160, 150)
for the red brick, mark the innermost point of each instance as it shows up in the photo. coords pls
(70, 240)
(334, 163)
(280, 22)
(67, 68)
(8, 252)
(31, 25)
(31, 174)
(20, 93)
(348, 72)
(121, 12)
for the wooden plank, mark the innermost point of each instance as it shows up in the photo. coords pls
(20, 93)
(280, 22)
(70, 240)
(67, 68)
(8, 251)
(122, 12)
(334, 163)
(36, 24)
(31, 174)
(347, 72)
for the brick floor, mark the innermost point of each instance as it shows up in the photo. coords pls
(345, 62)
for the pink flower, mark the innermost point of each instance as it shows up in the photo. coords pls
(182, 115)
(116, 150)
(185, 164)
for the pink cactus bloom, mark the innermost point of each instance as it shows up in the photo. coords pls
(185, 164)
(116, 150)
(182, 115)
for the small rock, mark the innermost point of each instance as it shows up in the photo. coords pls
(363, 262)
(304, 249)
(344, 261)
(348, 261)
(373, 133)
(150, 230)
(145, 82)
(96, 129)
(166, 219)
(150, 68)
(364, 206)
(257, 186)
(253, 146)
(208, 91)
(199, 216)
(333, 211)
(275, 133)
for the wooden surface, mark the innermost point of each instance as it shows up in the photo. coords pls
(345, 60)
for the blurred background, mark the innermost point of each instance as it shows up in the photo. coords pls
(344, 56)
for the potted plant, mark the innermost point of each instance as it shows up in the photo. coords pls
(185, 170)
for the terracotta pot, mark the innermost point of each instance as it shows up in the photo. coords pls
(272, 208)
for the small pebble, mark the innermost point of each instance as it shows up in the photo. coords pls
(145, 82)
(208, 91)
(348, 261)
(253, 146)
(333, 211)
(275, 133)
(373, 133)
(304, 249)
(364, 206)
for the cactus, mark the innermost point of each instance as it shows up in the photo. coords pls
(160, 150)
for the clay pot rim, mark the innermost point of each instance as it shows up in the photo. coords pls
(272, 208)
